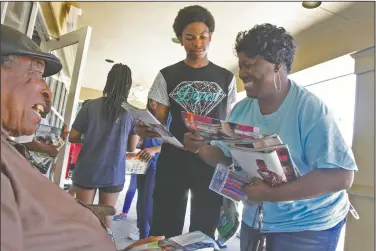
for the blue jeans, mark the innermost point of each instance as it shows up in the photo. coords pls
(145, 187)
(130, 193)
(326, 240)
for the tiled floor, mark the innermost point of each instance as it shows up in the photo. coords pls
(122, 228)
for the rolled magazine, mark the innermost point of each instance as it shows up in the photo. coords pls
(149, 120)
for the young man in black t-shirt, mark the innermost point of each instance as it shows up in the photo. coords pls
(198, 86)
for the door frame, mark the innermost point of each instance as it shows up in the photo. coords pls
(82, 38)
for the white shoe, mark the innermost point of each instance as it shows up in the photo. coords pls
(134, 236)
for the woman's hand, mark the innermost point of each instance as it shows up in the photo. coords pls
(145, 131)
(193, 142)
(145, 241)
(258, 191)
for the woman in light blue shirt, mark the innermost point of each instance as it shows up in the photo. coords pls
(309, 213)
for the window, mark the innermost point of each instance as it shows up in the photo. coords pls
(18, 15)
(334, 82)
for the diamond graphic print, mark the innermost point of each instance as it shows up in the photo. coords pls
(199, 97)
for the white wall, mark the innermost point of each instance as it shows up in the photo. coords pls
(360, 233)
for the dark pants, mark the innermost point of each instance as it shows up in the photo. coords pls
(130, 193)
(178, 172)
(145, 189)
(326, 240)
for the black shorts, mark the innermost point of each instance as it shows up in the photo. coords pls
(109, 189)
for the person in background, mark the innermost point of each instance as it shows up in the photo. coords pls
(150, 150)
(74, 151)
(109, 132)
(176, 89)
(34, 211)
(132, 188)
(298, 215)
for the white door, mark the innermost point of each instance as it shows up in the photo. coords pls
(72, 49)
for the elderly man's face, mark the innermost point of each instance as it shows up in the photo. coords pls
(24, 95)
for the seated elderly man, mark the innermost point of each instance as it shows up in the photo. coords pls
(35, 213)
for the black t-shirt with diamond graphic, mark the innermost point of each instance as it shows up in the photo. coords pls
(206, 91)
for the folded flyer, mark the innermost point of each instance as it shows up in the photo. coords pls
(149, 120)
(215, 129)
(135, 165)
(194, 241)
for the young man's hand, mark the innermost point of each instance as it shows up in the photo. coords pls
(193, 142)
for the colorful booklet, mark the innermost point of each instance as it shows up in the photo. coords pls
(149, 120)
(215, 129)
(228, 182)
(135, 165)
(194, 241)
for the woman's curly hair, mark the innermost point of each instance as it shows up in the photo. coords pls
(273, 43)
(191, 14)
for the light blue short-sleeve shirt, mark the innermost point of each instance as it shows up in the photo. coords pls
(306, 125)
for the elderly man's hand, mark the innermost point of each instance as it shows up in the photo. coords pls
(193, 142)
(258, 191)
(145, 241)
(52, 151)
(145, 132)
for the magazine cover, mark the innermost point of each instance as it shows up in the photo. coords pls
(149, 120)
(48, 135)
(194, 241)
(215, 129)
(272, 164)
(134, 164)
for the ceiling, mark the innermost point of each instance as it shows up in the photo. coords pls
(139, 33)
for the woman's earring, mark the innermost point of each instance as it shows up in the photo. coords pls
(275, 84)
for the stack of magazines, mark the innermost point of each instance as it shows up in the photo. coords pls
(194, 241)
(255, 155)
